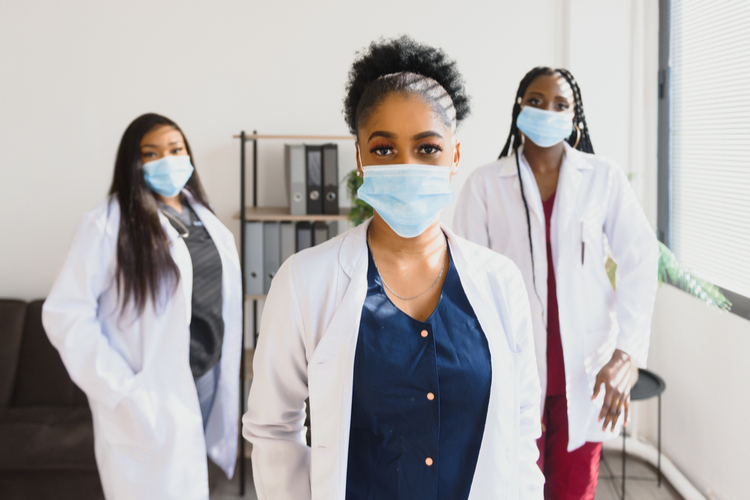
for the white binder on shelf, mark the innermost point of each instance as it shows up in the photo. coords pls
(254, 258)
(271, 253)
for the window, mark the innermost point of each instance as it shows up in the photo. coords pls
(704, 141)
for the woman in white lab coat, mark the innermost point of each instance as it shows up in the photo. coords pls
(413, 345)
(146, 315)
(547, 203)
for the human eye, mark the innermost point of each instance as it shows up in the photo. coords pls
(148, 154)
(430, 149)
(177, 150)
(381, 150)
(533, 101)
(563, 106)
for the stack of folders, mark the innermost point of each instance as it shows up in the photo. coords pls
(312, 177)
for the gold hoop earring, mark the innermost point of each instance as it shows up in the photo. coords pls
(578, 136)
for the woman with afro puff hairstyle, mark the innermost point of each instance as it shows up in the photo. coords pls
(413, 345)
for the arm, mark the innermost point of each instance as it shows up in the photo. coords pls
(274, 422)
(635, 250)
(531, 479)
(70, 316)
(470, 218)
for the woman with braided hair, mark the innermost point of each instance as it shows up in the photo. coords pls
(551, 205)
(413, 345)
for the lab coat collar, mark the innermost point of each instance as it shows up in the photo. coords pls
(507, 167)
(354, 247)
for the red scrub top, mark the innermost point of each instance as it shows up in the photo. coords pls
(555, 362)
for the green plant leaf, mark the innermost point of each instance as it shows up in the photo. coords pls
(360, 210)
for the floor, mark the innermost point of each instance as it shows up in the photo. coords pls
(608, 489)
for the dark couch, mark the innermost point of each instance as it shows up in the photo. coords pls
(46, 432)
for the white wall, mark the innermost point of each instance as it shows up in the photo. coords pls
(75, 73)
(702, 355)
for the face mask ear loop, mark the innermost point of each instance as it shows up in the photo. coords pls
(361, 165)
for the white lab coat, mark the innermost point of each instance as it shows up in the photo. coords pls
(308, 338)
(135, 370)
(593, 199)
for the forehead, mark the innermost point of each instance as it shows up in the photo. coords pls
(161, 135)
(404, 115)
(550, 86)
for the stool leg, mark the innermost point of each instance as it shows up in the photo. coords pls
(623, 464)
(658, 459)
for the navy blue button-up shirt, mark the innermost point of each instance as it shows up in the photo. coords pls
(420, 397)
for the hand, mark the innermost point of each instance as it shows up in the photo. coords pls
(618, 377)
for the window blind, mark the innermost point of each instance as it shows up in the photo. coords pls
(710, 140)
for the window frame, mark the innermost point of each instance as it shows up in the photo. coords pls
(740, 303)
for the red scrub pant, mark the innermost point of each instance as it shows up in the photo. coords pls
(569, 475)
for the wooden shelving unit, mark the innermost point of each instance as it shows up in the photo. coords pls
(254, 213)
(281, 214)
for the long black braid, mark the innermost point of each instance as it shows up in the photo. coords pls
(582, 143)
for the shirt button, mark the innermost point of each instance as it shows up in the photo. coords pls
(430, 396)
(424, 333)
(428, 461)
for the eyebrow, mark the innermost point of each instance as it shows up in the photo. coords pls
(389, 135)
(156, 146)
(562, 97)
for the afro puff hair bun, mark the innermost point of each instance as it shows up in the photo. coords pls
(402, 55)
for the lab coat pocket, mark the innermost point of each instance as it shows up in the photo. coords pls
(134, 423)
(598, 347)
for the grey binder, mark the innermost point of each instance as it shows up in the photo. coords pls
(314, 179)
(304, 235)
(320, 233)
(330, 179)
(271, 253)
(294, 158)
(254, 258)
(288, 240)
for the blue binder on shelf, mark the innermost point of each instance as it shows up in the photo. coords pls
(254, 258)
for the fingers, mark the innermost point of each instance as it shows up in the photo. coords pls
(597, 385)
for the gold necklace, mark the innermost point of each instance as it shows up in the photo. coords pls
(445, 260)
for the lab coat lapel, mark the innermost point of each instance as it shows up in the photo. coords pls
(481, 295)
(530, 188)
(331, 366)
(568, 187)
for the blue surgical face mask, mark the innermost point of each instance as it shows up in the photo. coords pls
(408, 197)
(167, 176)
(545, 128)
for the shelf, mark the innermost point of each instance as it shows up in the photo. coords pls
(281, 214)
(251, 137)
(255, 297)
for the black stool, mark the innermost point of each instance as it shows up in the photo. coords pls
(649, 385)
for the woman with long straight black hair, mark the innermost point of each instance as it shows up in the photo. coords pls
(146, 315)
(554, 207)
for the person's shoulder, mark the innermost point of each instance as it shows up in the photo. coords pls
(488, 170)
(104, 217)
(600, 164)
(498, 266)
